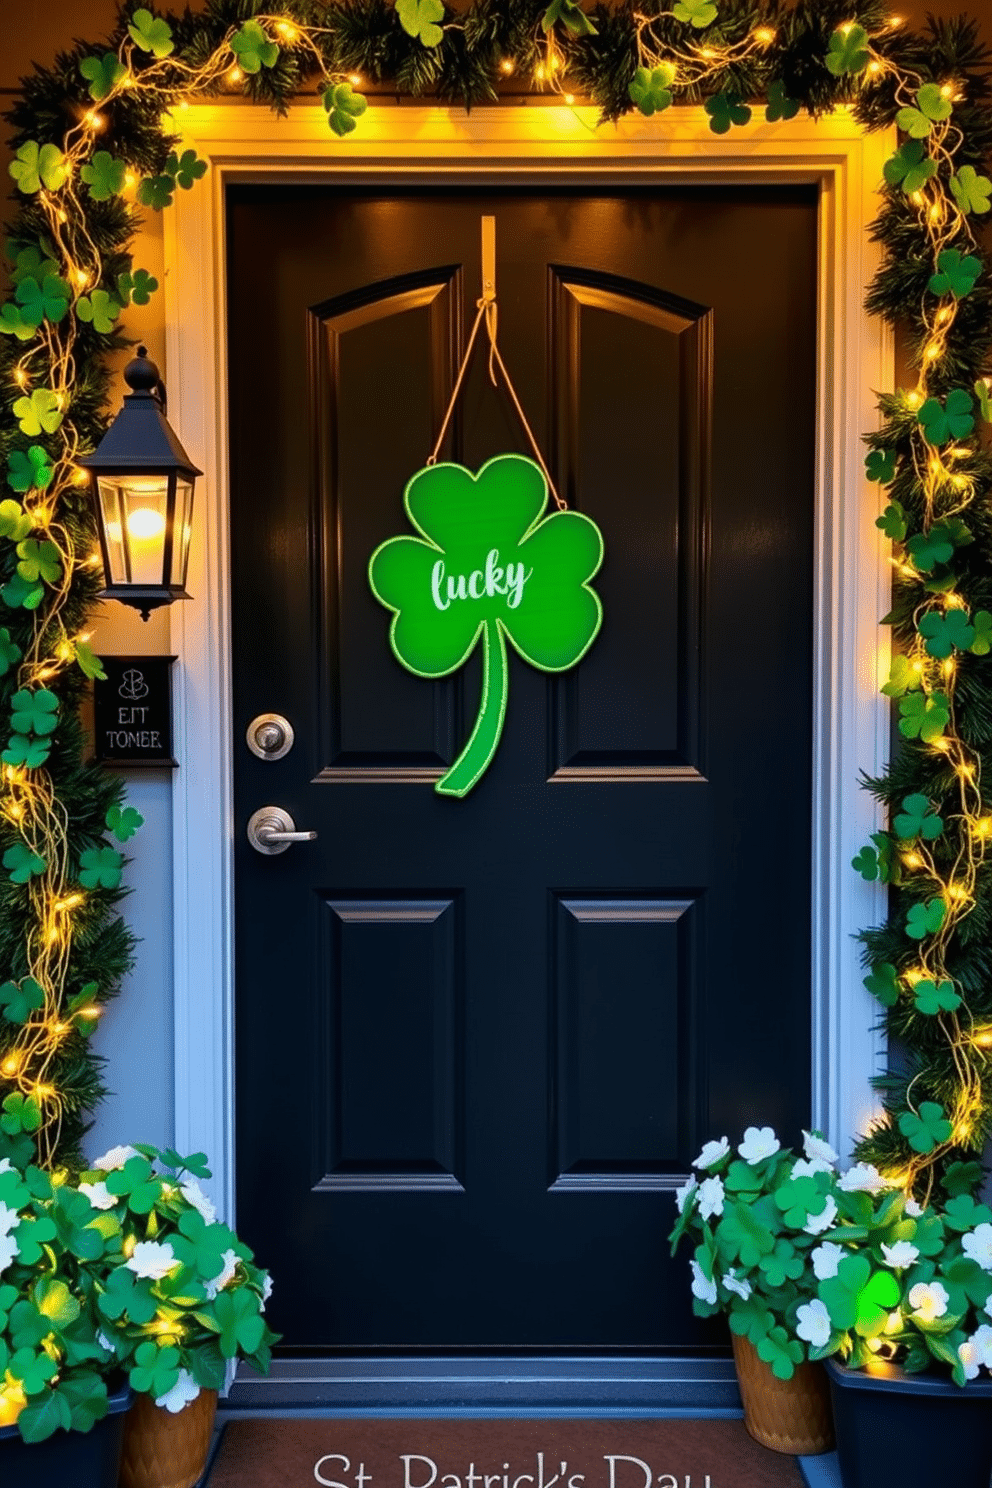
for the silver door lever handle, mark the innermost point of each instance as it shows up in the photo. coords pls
(272, 830)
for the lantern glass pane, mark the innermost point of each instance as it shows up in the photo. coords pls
(183, 528)
(112, 519)
(145, 502)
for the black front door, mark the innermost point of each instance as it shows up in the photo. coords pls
(480, 1040)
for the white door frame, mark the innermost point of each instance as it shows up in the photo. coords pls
(511, 145)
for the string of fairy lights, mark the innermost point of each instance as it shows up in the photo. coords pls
(146, 65)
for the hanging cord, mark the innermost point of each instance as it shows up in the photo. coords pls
(486, 307)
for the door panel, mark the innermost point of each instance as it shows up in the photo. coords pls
(479, 1041)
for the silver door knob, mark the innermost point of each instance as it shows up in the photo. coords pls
(271, 830)
(270, 736)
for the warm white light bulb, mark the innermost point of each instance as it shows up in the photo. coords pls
(145, 523)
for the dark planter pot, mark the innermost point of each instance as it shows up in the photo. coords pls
(895, 1429)
(69, 1459)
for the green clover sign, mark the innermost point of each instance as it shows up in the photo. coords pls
(488, 564)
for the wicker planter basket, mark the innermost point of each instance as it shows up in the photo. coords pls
(162, 1450)
(787, 1415)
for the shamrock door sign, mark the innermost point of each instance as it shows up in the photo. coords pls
(488, 565)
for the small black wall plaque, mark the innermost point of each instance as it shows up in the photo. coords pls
(133, 711)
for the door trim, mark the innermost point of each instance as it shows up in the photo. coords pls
(508, 146)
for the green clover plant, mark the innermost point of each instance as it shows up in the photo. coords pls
(652, 91)
(924, 718)
(344, 107)
(724, 110)
(29, 469)
(880, 465)
(945, 631)
(36, 166)
(100, 868)
(99, 309)
(488, 566)
(952, 419)
(971, 191)
(419, 18)
(957, 273)
(780, 105)
(39, 412)
(698, 13)
(151, 34)
(103, 74)
(932, 107)
(137, 287)
(848, 51)
(104, 176)
(252, 48)
(910, 167)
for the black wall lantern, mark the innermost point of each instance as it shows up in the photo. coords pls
(142, 482)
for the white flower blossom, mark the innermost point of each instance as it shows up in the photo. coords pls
(813, 1323)
(702, 1287)
(182, 1393)
(806, 1168)
(105, 1342)
(115, 1158)
(914, 1209)
(826, 1258)
(684, 1193)
(6, 1166)
(8, 1219)
(711, 1198)
(978, 1245)
(735, 1284)
(817, 1223)
(193, 1194)
(224, 1275)
(152, 1258)
(817, 1150)
(862, 1178)
(929, 1300)
(266, 1286)
(981, 1341)
(969, 1358)
(900, 1255)
(99, 1195)
(759, 1142)
(712, 1153)
(9, 1249)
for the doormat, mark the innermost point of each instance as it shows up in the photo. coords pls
(266, 1453)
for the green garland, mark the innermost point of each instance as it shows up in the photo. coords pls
(91, 146)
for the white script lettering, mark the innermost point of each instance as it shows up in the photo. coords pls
(489, 581)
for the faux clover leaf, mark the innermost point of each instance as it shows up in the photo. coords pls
(944, 632)
(927, 549)
(151, 35)
(124, 1294)
(696, 13)
(956, 274)
(918, 819)
(877, 862)
(781, 1352)
(39, 560)
(744, 1234)
(924, 718)
(927, 1129)
(652, 91)
(29, 263)
(962, 1177)
(910, 167)
(784, 1264)
(253, 49)
(14, 520)
(136, 1179)
(903, 677)
(29, 469)
(156, 192)
(488, 566)
(982, 644)
(20, 1114)
(12, 323)
(17, 593)
(971, 191)
(963, 1212)
(124, 822)
(935, 997)
(104, 176)
(23, 749)
(892, 521)
(102, 73)
(91, 666)
(241, 1325)
(798, 1198)
(32, 1370)
(750, 1318)
(344, 108)
(137, 287)
(35, 712)
(10, 651)
(20, 999)
(848, 51)
(99, 309)
(35, 166)
(931, 108)
(45, 299)
(857, 1298)
(952, 419)
(725, 109)
(100, 868)
(880, 465)
(883, 983)
(419, 18)
(780, 105)
(155, 1369)
(185, 169)
(39, 413)
(925, 919)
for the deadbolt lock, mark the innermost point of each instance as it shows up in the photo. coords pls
(270, 736)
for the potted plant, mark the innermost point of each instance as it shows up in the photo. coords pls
(179, 1301)
(811, 1264)
(58, 1422)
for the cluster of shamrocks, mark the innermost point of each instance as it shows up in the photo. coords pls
(808, 1262)
(123, 1274)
